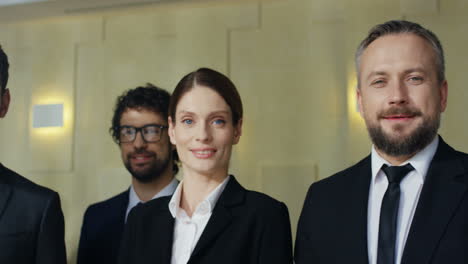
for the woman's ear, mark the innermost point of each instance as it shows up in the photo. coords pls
(171, 131)
(237, 131)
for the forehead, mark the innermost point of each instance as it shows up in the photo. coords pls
(201, 99)
(397, 52)
(140, 117)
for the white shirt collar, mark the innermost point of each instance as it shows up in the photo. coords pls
(133, 198)
(206, 206)
(420, 161)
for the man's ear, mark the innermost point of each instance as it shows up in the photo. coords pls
(237, 131)
(443, 95)
(359, 100)
(4, 103)
(171, 131)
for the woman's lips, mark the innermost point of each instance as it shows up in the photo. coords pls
(203, 153)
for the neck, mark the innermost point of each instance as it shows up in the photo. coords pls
(147, 190)
(196, 187)
(395, 160)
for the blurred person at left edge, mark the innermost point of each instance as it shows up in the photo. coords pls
(31, 219)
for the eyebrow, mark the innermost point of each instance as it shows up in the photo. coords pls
(184, 112)
(417, 69)
(375, 73)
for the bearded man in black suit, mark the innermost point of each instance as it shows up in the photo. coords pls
(407, 201)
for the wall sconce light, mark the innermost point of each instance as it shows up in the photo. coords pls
(48, 115)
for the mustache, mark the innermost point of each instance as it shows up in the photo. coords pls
(141, 152)
(408, 111)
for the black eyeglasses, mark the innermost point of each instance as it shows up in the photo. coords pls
(149, 133)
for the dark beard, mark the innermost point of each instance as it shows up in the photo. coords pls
(403, 146)
(152, 173)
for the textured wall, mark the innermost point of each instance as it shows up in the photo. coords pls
(292, 61)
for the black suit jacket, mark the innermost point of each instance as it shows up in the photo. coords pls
(245, 227)
(333, 223)
(102, 229)
(31, 222)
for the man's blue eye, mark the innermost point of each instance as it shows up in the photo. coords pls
(187, 121)
(219, 122)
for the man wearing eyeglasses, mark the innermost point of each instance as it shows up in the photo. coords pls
(139, 127)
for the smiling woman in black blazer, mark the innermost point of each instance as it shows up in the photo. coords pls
(210, 218)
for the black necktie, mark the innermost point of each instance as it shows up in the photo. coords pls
(389, 213)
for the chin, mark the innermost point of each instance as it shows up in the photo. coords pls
(399, 132)
(206, 170)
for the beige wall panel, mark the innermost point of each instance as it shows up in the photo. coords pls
(91, 126)
(288, 182)
(409, 7)
(90, 136)
(140, 25)
(453, 7)
(51, 148)
(294, 90)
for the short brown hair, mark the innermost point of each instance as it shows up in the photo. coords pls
(213, 80)
(401, 27)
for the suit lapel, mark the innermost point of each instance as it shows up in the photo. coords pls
(221, 216)
(122, 208)
(5, 189)
(218, 222)
(161, 224)
(358, 186)
(441, 194)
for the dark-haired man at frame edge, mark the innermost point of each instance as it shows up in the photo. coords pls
(139, 127)
(407, 201)
(31, 219)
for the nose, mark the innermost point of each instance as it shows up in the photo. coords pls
(139, 142)
(203, 133)
(398, 93)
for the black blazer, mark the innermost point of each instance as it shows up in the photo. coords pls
(245, 227)
(31, 222)
(333, 223)
(102, 229)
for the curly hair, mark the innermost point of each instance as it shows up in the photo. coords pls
(149, 97)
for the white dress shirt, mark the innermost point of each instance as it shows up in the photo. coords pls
(410, 189)
(187, 230)
(133, 198)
